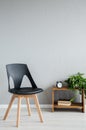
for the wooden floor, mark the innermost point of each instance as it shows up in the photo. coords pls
(58, 120)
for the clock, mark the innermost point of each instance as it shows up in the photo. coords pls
(59, 84)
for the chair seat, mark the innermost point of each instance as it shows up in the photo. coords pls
(26, 91)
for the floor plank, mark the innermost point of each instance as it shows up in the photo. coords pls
(58, 120)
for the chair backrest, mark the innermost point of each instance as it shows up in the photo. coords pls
(17, 72)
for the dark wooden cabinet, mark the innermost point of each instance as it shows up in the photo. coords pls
(80, 105)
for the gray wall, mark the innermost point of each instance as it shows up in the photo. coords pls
(48, 35)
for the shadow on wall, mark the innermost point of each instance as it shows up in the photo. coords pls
(48, 94)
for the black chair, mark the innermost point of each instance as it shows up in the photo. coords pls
(17, 72)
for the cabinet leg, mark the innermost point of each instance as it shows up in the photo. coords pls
(83, 101)
(83, 110)
(52, 108)
(52, 101)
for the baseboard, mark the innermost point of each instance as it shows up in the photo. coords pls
(24, 105)
(32, 106)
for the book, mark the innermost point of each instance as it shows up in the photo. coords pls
(67, 103)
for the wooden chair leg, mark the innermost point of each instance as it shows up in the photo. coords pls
(9, 107)
(18, 111)
(38, 108)
(28, 106)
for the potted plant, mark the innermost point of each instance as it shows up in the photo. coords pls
(77, 81)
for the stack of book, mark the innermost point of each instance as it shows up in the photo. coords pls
(67, 103)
